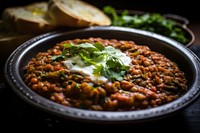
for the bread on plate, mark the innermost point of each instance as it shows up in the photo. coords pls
(31, 18)
(76, 13)
(19, 24)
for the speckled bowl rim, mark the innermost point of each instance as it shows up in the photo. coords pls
(13, 79)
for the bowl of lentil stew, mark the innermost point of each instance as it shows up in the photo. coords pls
(133, 98)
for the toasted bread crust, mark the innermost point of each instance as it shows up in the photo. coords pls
(26, 20)
(76, 13)
(21, 23)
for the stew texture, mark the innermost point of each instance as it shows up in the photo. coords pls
(104, 74)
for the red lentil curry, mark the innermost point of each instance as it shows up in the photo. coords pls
(104, 74)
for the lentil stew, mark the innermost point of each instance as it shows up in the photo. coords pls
(151, 79)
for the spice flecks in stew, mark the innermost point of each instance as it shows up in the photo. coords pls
(104, 74)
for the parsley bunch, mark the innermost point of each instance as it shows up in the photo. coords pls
(153, 22)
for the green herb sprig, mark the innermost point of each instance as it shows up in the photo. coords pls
(95, 54)
(153, 22)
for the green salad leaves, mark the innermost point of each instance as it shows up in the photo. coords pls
(152, 22)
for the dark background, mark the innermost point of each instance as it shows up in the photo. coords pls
(16, 113)
(186, 8)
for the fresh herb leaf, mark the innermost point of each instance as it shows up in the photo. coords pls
(153, 22)
(59, 57)
(98, 69)
(113, 75)
(99, 46)
(115, 69)
(87, 60)
(104, 59)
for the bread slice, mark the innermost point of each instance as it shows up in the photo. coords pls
(32, 18)
(76, 13)
(9, 41)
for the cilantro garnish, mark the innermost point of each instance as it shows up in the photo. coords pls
(104, 59)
